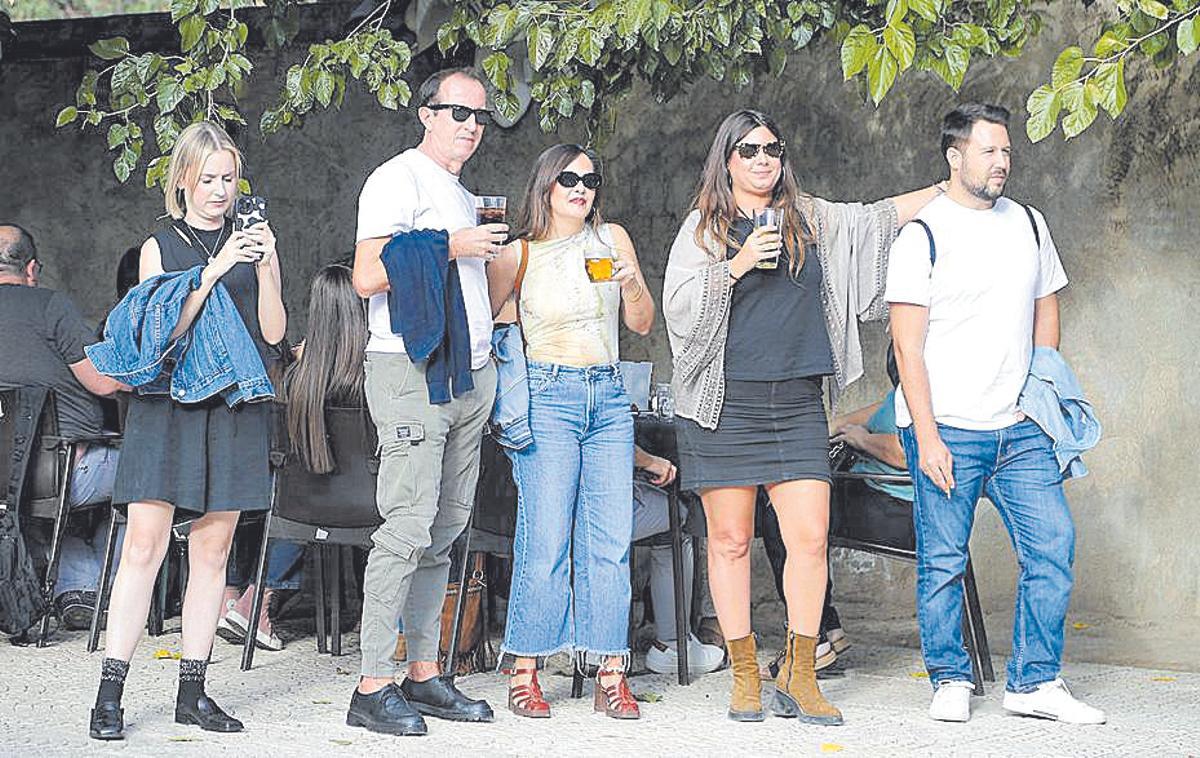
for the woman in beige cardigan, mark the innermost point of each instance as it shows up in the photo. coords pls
(752, 344)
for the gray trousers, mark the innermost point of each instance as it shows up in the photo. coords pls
(428, 469)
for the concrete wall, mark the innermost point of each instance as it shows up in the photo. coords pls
(1122, 203)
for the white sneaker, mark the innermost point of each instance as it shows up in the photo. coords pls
(662, 658)
(952, 701)
(825, 655)
(1053, 700)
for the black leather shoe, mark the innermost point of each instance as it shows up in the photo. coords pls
(206, 714)
(386, 712)
(108, 722)
(439, 697)
(75, 609)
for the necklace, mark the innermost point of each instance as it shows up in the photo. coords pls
(194, 236)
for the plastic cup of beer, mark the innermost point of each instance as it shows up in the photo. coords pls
(490, 209)
(767, 217)
(599, 264)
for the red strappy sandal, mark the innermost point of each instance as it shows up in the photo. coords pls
(526, 699)
(615, 700)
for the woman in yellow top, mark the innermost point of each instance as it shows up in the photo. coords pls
(575, 480)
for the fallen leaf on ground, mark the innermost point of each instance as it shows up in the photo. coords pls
(183, 738)
(918, 675)
(1080, 625)
(341, 671)
(342, 742)
(163, 653)
(648, 697)
(322, 702)
(1163, 679)
(831, 747)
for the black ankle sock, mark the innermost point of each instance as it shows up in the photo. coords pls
(112, 680)
(191, 679)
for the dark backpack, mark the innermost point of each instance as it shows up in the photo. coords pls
(21, 601)
(1037, 236)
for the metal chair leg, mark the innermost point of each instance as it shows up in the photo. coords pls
(319, 562)
(66, 460)
(978, 631)
(102, 590)
(460, 602)
(335, 613)
(681, 620)
(577, 680)
(260, 589)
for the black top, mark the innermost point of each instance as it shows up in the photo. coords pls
(241, 281)
(41, 335)
(776, 322)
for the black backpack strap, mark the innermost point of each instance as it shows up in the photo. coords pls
(1037, 236)
(932, 244)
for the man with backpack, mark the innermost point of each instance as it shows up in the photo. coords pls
(972, 285)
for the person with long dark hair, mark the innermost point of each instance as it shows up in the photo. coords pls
(575, 480)
(752, 343)
(204, 458)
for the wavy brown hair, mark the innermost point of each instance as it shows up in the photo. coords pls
(714, 193)
(533, 218)
(329, 371)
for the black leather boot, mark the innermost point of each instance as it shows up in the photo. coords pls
(439, 697)
(386, 711)
(107, 722)
(206, 714)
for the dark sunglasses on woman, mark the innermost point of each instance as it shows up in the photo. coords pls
(748, 150)
(461, 113)
(591, 180)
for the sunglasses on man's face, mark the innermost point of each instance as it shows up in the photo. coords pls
(461, 113)
(591, 180)
(747, 150)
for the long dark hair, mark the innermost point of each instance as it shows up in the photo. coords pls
(714, 193)
(533, 218)
(330, 368)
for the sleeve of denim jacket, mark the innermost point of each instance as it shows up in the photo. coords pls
(66, 328)
(697, 292)
(856, 238)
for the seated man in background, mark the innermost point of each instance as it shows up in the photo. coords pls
(42, 336)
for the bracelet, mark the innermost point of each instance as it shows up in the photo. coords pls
(735, 278)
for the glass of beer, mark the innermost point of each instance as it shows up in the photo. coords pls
(767, 217)
(489, 209)
(599, 263)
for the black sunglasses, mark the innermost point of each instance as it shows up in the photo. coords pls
(748, 150)
(461, 113)
(591, 180)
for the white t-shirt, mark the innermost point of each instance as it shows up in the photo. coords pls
(409, 192)
(980, 295)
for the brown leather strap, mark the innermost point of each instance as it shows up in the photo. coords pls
(524, 264)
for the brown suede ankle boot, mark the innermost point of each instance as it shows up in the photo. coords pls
(746, 702)
(796, 692)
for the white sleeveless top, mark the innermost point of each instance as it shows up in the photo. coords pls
(565, 318)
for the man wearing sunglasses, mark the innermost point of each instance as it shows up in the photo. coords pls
(429, 451)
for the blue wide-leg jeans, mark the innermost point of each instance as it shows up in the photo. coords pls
(1017, 470)
(574, 515)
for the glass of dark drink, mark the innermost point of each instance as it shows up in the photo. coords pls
(490, 209)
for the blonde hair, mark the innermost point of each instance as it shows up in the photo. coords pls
(195, 144)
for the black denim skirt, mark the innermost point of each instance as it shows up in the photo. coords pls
(768, 432)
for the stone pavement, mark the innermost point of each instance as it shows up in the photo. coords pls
(293, 703)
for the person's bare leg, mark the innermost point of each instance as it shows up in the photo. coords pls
(730, 515)
(208, 552)
(803, 511)
(147, 535)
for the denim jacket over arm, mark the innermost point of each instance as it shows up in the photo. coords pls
(425, 303)
(1053, 399)
(215, 356)
(510, 414)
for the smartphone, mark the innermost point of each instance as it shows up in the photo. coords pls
(248, 211)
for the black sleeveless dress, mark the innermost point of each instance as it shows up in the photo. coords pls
(200, 457)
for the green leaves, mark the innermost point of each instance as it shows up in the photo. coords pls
(1187, 36)
(1067, 67)
(1043, 105)
(110, 49)
(901, 43)
(881, 73)
(66, 116)
(191, 29)
(858, 49)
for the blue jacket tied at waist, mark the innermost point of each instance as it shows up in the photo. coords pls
(216, 355)
(1053, 399)
(427, 310)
